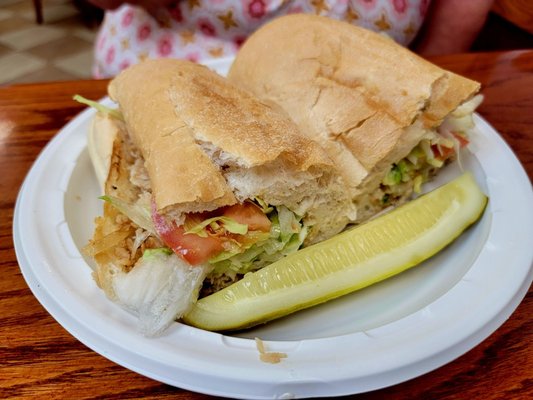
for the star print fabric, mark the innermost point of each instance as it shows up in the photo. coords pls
(202, 30)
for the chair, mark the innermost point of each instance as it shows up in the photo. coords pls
(38, 5)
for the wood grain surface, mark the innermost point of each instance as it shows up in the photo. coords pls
(519, 12)
(39, 359)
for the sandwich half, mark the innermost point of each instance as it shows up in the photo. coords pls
(202, 184)
(388, 118)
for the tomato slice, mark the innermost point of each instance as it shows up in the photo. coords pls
(248, 214)
(196, 249)
(463, 141)
(192, 248)
(442, 152)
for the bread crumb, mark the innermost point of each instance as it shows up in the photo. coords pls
(270, 357)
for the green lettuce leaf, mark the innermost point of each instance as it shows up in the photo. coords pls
(287, 234)
(216, 223)
(99, 107)
(150, 254)
(138, 213)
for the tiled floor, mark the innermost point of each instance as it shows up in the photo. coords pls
(59, 49)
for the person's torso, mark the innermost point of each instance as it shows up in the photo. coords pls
(200, 30)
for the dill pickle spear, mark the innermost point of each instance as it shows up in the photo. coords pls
(352, 260)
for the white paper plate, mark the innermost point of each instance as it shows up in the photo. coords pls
(377, 337)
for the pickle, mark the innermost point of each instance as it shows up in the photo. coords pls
(354, 259)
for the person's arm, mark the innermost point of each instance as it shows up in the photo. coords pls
(451, 26)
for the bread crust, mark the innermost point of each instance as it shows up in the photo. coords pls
(345, 84)
(112, 230)
(175, 109)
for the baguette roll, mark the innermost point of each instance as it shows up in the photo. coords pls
(207, 144)
(366, 100)
(190, 157)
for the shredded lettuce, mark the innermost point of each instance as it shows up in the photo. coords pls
(140, 236)
(258, 249)
(393, 177)
(417, 184)
(150, 254)
(287, 234)
(416, 167)
(138, 213)
(288, 223)
(99, 107)
(415, 155)
(216, 224)
(468, 107)
(457, 149)
(234, 248)
(159, 289)
(264, 206)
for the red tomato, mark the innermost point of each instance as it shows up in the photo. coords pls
(442, 152)
(463, 141)
(192, 248)
(196, 249)
(248, 214)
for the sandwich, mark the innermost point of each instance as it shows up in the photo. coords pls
(389, 119)
(202, 183)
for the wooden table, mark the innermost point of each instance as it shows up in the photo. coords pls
(38, 358)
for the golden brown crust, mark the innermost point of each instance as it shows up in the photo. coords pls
(165, 141)
(454, 90)
(344, 83)
(175, 110)
(109, 244)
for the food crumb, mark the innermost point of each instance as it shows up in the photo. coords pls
(270, 357)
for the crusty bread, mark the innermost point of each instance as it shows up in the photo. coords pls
(356, 92)
(207, 144)
(100, 141)
(110, 244)
(157, 293)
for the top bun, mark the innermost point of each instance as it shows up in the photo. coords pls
(207, 144)
(352, 90)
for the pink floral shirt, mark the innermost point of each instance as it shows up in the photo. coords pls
(201, 30)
